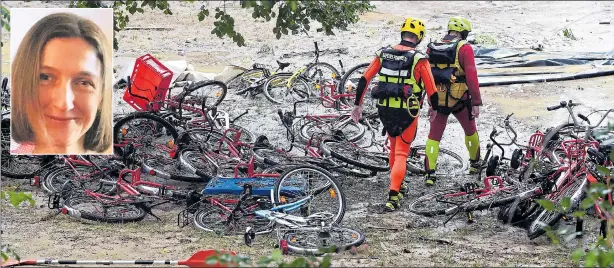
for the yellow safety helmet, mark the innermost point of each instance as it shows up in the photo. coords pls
(414, 26)
(459, 24)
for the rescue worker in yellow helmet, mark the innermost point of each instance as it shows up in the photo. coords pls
(404, 75)
(456, 78)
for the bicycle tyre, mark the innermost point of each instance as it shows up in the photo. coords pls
(336, 187)
(369, 104)
(305, 129)
(192, 161)
(416, 166)
(492, 200)
(246, 135)
(420, 205)
(379, 161)
(291, 237)
(211, 210)
(141, 115)
(320, 64)
(33, 162)
(205, 83)
(576, 192)
(51, 184)
(243, 76)
(267, 87)
(74, 201)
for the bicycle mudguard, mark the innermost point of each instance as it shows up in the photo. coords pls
(261, 187)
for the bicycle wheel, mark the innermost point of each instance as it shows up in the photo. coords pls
(208, 92)
(220, 221)
(351, 130)
(217, 142)
(271, 156)
(309, 240)
(89, 208)
(20, 166)
(552, 142)
(241, 83)
(309, 181)
(448, 162)
(349, 83)
(321, 71)
(246, 135)
(443, 202)
(150, 135)
(55, 179)
(349, 153)
(497, 197)
(575, 190)
(277, 90)
(193, 160)
(16, 166)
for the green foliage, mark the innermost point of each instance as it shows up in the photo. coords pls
(601, 253)
(5, 20)
(274, 259)
(15, 198)
(291, 16)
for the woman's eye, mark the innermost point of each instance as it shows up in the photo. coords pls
(44, 77)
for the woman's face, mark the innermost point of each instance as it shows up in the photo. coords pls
(69, 89)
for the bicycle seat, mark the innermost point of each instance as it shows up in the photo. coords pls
(282, 65)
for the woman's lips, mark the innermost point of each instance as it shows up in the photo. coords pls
(60, 118)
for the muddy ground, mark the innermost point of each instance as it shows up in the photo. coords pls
(411, 240)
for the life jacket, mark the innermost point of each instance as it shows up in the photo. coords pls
(396, 74)
(447, 72)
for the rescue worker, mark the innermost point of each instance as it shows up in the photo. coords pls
(404, 75)
(453, 68)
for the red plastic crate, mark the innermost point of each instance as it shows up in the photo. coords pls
(150, 80)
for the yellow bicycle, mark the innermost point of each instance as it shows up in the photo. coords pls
(300, 85)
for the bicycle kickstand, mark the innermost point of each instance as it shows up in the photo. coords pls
(148, 211)
(451, 217)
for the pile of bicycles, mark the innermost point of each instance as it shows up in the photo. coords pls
(556, 165)
(239, 183)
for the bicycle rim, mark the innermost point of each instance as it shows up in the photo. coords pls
(215, 219)
(550, 218)
(91, 209)
(317, 183)
(311, 240)
(448, 162)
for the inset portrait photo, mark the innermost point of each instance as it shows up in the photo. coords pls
(61, 81)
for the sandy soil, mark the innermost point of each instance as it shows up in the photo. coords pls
(416, 240)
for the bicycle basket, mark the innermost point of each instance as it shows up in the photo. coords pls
(535, 143)
(149, 84)
(576, 149)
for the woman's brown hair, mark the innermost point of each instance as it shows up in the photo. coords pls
(25, 71)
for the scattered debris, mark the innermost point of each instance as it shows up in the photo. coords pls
(436, 240)
(384, 228)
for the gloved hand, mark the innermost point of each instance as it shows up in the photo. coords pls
(475, 111)
(356, 113)
(431, 114)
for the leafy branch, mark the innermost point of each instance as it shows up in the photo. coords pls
(292, 17)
